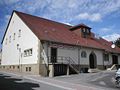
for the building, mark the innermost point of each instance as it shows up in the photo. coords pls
(39, 46)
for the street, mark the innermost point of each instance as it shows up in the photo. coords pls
(101, 80)
(8, 82)
(84, 81)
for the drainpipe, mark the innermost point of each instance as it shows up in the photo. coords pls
(47, 59)
(79, 58)
(39, 60)
(103, 62)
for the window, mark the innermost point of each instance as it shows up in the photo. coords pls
(28, 52)
(25, 53)
(9, 39)
(18, 67)
(6, 41)
(29, 68)
(88, 31)
(19, 34)
(26, 69)
(106, 57)
(13, 67)
(83, 54)
(3, 66)
(84, 30)
(14, 36)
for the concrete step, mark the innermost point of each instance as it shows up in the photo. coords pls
(94, 70)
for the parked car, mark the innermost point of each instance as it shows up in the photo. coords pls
(117, 78)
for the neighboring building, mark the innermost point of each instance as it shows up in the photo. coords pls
(39, 46)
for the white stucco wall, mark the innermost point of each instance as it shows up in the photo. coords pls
(66, 52)
(98, 53)
(75, 54)
(26, 41)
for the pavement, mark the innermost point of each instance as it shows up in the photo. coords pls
(90, 81)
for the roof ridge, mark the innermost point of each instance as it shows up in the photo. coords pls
(18, 12)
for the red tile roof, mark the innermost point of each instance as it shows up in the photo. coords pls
(57, 32)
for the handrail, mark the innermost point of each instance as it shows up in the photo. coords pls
(64, 60)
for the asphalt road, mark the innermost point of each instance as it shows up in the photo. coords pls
(8, 82)
(107, 81)
(102, 80)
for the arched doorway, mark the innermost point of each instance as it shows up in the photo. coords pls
(92, 60)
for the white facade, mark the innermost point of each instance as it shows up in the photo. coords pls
(75, 54)
(15, 42)
(22, 46)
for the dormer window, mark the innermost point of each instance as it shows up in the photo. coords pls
(82, 30)
(88, 31)
(85, 32)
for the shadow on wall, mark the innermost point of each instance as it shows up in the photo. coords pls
(8, 83)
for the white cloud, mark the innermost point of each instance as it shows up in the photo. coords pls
(8, 2)
(68, 10)
(67, 23)
(105, 30)
(91, 17)
(112, 37)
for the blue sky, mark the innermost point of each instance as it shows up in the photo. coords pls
(103, 16)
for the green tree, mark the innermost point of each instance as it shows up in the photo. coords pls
(117, 42)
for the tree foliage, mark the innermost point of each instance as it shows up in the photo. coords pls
(117, 42)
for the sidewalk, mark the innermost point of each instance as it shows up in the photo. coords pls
(51, 81)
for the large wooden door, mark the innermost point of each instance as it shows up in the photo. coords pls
(115, 59)
(92, 61)
(53, 55)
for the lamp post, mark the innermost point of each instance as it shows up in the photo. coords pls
(20, 64)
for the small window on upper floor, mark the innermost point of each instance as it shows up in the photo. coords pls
(9, 39)
(28, 52)
(84, 30)
(14, 36)
(6, 41)
(25, 53)
(87, 30)
(83, 54)
(19, 34)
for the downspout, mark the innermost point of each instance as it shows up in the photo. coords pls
(103, 61)
(47, 59)
(79, 58)
(40, 49)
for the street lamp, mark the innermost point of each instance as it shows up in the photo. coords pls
(20, 64)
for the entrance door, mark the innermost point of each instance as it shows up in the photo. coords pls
(53, 55)
(115, 59)
(92, 61)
